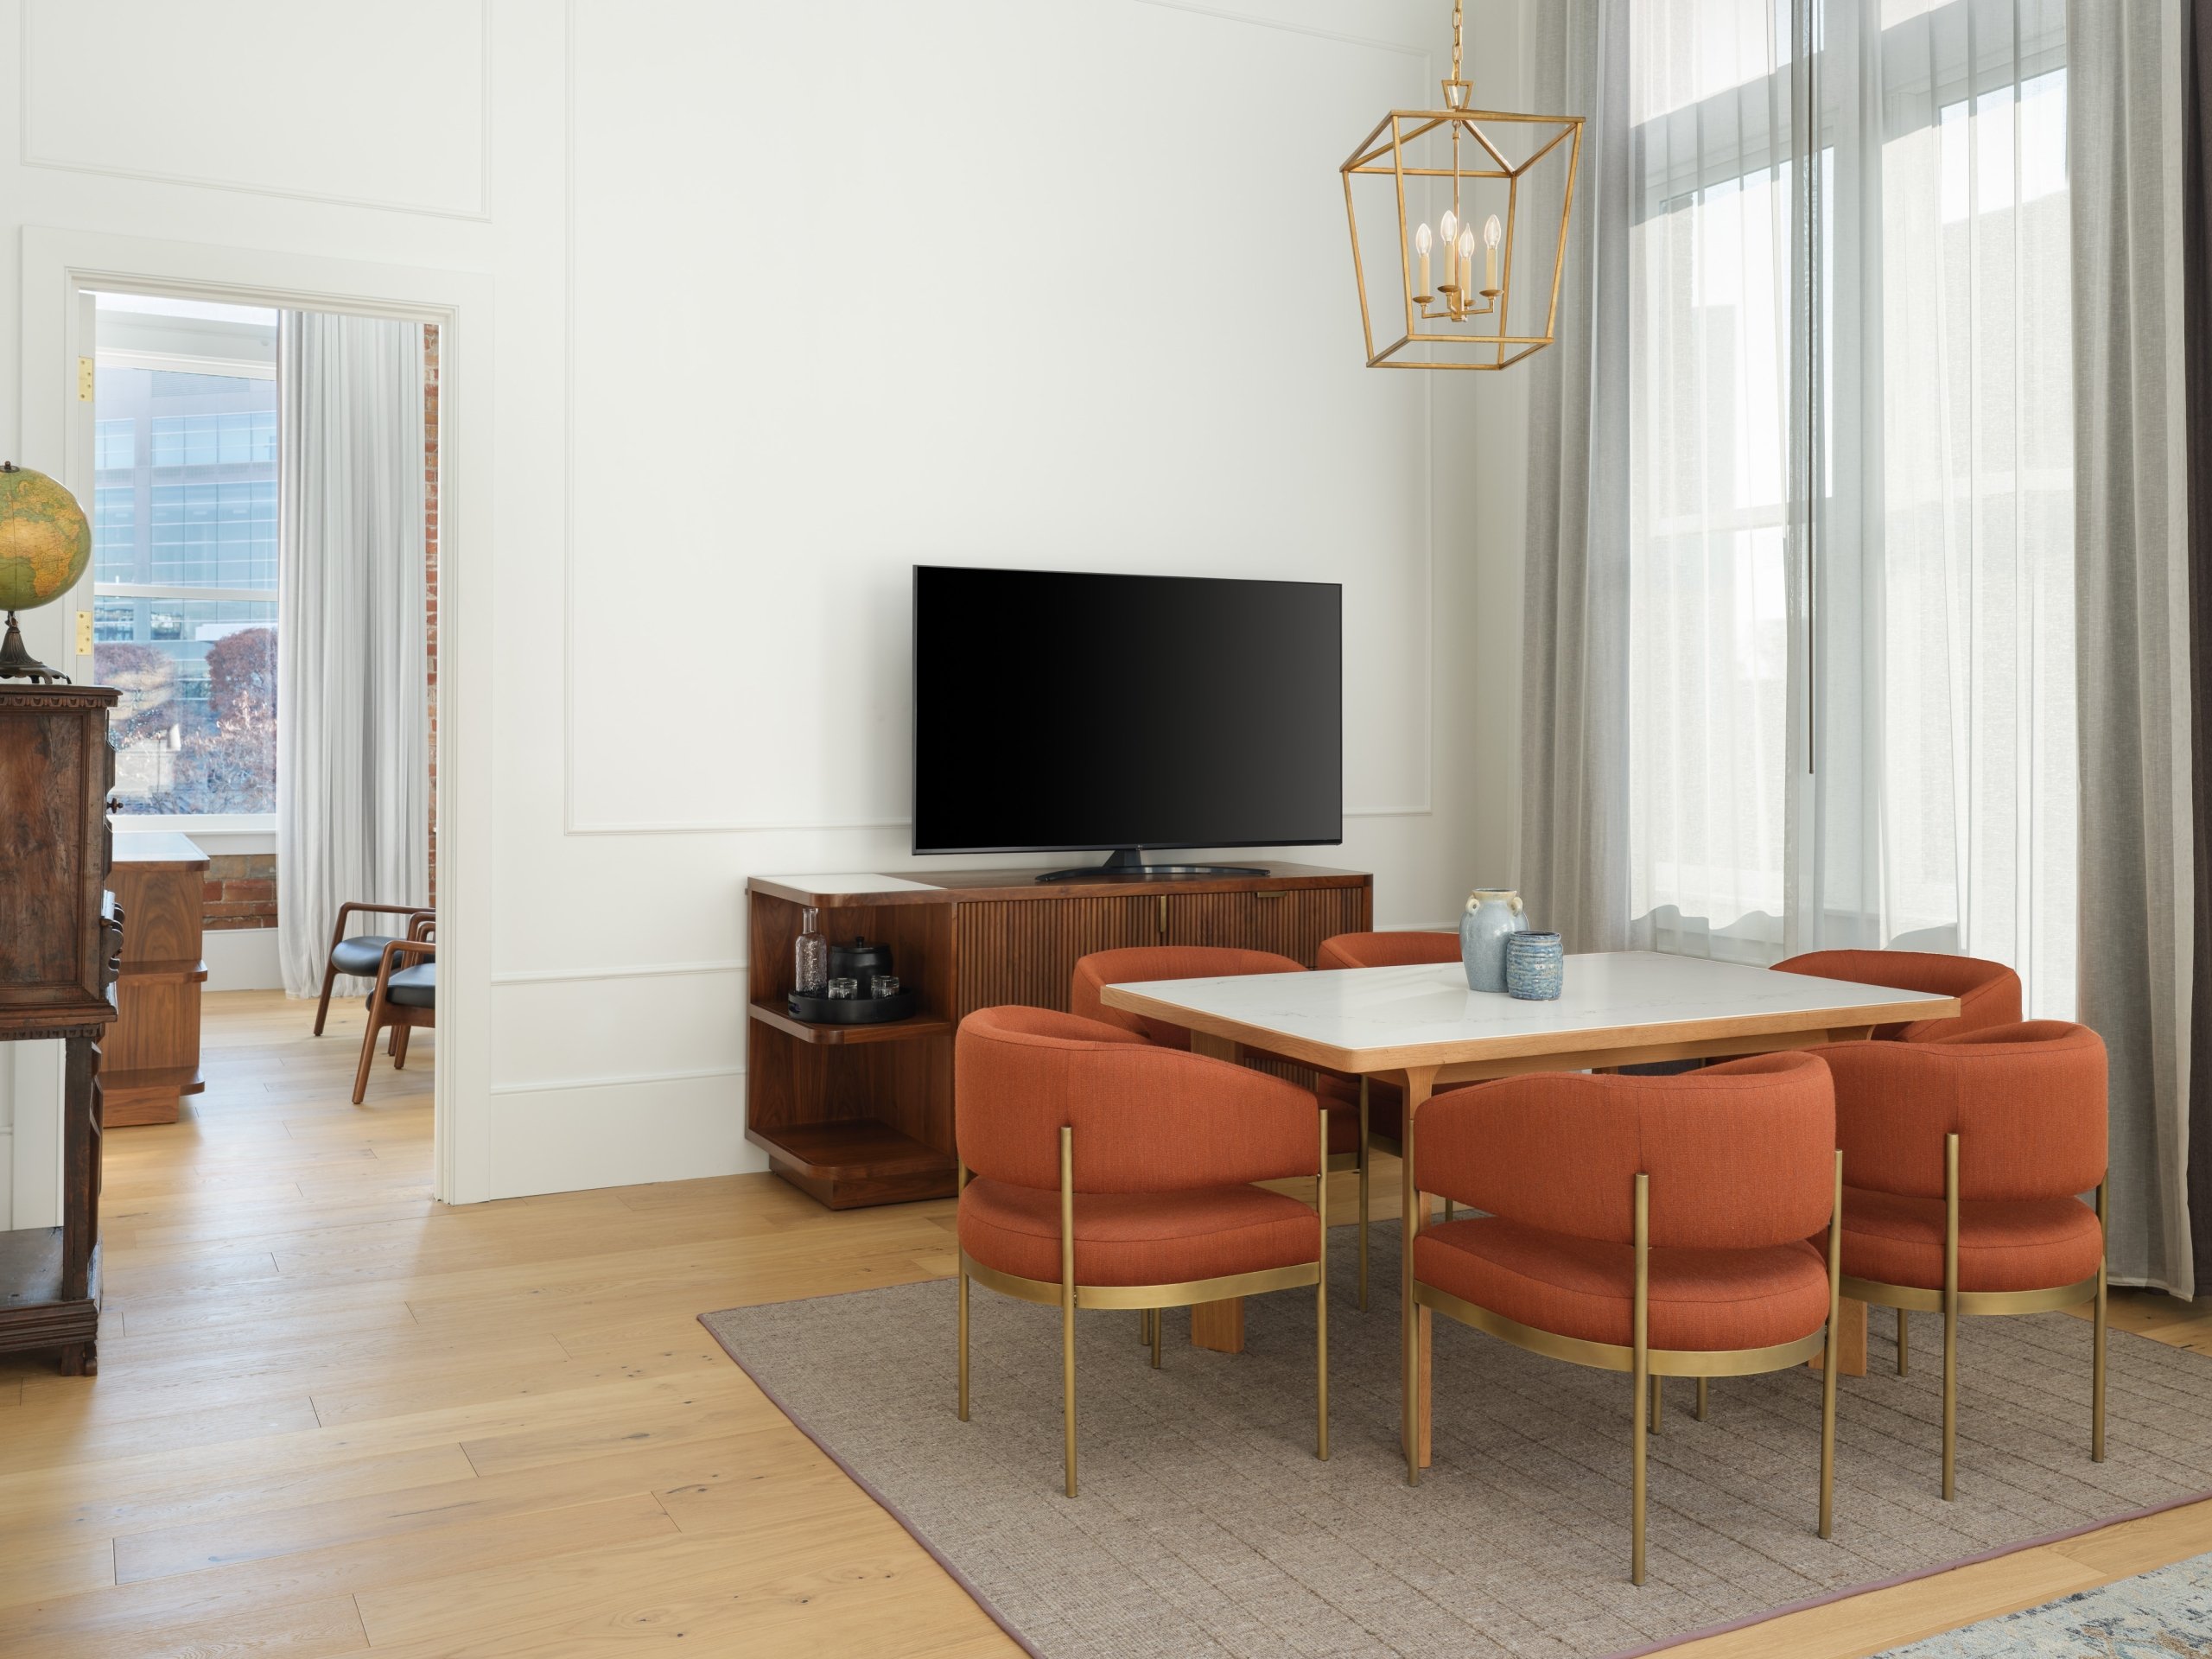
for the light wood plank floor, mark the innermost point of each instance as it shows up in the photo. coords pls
(334, 1417)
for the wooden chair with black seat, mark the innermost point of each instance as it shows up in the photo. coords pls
(405, 995)
(359, 955)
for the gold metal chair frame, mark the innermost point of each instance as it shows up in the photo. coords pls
(1952, 1304)
(1148, 1299)
(1647, 1364)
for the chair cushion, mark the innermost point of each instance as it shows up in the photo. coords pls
(1137, 1238)
(414, 988)
(2004, 1243)
(361, 955)
(1701, 1300)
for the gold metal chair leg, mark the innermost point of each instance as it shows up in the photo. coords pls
(960, 1185)
(1158, 1319)
(1832, 1356)
(2097, 1354)
(1321, 1305)
(1640, 1328)
(1366, 1162)
(1658, 1405)
(1067, 1301)
(1905, 1342)
(1700, 1408)
(1950, 1316)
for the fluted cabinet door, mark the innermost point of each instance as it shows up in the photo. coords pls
(1025, 950)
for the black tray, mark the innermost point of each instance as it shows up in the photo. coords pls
(851, 1010)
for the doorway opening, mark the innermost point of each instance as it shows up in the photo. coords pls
(263, 486)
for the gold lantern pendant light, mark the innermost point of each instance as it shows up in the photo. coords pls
(1510, 168)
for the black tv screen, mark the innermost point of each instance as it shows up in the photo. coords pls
(1065, 712)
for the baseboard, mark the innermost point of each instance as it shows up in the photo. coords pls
(241, 959)
(619, 1133)
(7, 1177)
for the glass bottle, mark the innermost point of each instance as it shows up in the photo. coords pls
(812, 956)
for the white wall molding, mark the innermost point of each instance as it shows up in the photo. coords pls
(31, 153)
(573, 824)
(615, 1080)
(633, 970)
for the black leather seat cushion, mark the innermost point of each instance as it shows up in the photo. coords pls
(361, 955)
(414, 988)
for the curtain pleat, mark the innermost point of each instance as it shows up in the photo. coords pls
(2196, 306)
(352, 775)
(2137, 830)
(1573, 861)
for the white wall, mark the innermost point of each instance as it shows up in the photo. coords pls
(788, 297)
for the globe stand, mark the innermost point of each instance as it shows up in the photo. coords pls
(17, 664)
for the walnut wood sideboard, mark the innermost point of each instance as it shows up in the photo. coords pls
(153, 1053)
(862, 1115)
(61, 940)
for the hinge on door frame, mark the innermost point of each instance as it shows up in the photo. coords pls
(84, 379)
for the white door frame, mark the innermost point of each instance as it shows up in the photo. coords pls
(56, 265)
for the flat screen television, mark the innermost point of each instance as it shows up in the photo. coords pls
(1060, 711)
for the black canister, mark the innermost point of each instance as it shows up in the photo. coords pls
(860, 960)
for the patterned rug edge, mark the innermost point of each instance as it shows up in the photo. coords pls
(1768, 1616)
(953, 1571)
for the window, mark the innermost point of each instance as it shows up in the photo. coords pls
(1851, 553)
(184, 536)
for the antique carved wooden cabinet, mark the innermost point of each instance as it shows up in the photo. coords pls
(60, 937)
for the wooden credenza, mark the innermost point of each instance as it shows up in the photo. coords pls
(60, 940)
(153, 1051)
(862, 1115)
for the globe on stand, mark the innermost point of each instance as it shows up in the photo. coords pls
(45, 544)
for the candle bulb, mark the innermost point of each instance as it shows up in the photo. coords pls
(1420, 246)
(1491, 231)
(1467, 256)
(1447, 231)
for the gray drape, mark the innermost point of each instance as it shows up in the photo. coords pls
(2138, 883)
(352, 773)
(1574, 713)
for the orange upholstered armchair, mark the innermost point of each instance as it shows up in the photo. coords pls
(1336, 1096)
(1097, 1170)
(1963, 1161)
(1655, 1225)
(1988, 992)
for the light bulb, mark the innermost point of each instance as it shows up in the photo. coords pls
(1467, 248)
(1447, 228)
(1421, 240)
(1491, 231)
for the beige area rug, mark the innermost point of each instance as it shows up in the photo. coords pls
(1206, 1526)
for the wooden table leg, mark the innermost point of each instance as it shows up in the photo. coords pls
(1414, 1322)
(1851, 1340)
(1218, 1325)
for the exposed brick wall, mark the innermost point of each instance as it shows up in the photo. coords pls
(430, 568)
(239, 890)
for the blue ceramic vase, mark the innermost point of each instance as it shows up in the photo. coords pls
(1493, 914)
(1536, 966)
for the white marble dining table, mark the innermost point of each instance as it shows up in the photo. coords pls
(1421, 1028)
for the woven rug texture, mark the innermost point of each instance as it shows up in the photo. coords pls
(1206, 1527)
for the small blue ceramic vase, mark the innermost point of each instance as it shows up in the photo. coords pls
(1536, 966)
(1493, 914)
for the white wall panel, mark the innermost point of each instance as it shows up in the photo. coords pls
(915, 294)
(382, 105)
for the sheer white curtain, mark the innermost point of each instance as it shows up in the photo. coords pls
(1851, 463)
(352, 772)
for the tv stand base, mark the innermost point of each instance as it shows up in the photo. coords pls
(1130, 863)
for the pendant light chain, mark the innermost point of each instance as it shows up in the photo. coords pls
(1458, 21)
